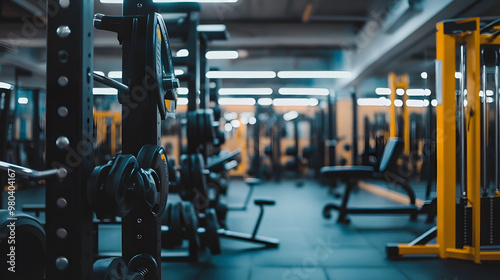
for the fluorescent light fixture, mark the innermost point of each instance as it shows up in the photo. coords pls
(290, 116)
(398, 103)
(235, 123)
(22, 100)
(173, 1)
(418, 92)
(6, 85)
(182, 91)
(383, 91)
(424, 75)
(314, 74)
(417, 103)
(382, 101)
(236, 101)
(182, 101)
(178, 72)
(105, 91)
(246, 91)
(115, 74)
(182, 53)
(211, 27)
(458, 75)
(241, 74)
(99, 73)
(400, 91)
(252, 120)
(434, 102)
(304, 91)
(265, 101)
(295, 102)
(222, 55)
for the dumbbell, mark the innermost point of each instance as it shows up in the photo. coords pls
(140, 267)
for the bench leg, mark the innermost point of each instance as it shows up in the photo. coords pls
(345, 199)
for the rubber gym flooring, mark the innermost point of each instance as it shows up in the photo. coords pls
(311, 247)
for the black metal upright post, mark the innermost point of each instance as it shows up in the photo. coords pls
(193, 67)
(204, 82)
(332, 128)
(354, 129)
(69, 138)
(141, 124)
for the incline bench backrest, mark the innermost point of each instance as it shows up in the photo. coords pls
(392, 151)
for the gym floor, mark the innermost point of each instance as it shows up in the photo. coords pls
(311, 247)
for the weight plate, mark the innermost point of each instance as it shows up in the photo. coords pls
(109, 269)
(175, 224)
(30, 248)
(123, 174)
(166, 240)
(199, 183)
(192, 129)
(172, 173)
(185, 176)
(96, 195)
(190, 223)
(155, 158)
(213, 242)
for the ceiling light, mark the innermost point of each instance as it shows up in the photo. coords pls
(182, 101)
(382, 101)
(424, 75)
(295, 102)
(290, 116)
(252, 120)
(434, 102)
(241, 74)
(400, 91)
(245, 91)
(304, 91)
(22, 100)
(182, 91)
(235, 123)
(211, 28)
(418, 92)
(458, 75)
(6, 85)
(105, 91)
(383, 91)
(222, 55)
(398, 103)
(182, 53)
(115, 74)
(236, 101)
(314, 74)
(417, 103)
(173, 1)
(265, 101)
(178, 72)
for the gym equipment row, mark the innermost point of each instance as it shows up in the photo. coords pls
(467, 211)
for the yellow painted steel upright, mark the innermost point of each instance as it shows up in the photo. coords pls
(449, 34)
(400, 82)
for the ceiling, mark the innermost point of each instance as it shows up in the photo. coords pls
(274, 35)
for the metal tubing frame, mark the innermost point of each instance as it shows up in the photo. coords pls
(447, 143)
(69, 114)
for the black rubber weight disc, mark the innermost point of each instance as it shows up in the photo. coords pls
(213, 241)
(175, 224)
(30, 248)
(121, 176)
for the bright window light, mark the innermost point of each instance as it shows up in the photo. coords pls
(295, 102)
(178, 72)
(265, 101)
(383, 91)
(222, 55)
(434, 102)
(400, 91)
(245, 91)
(292, 115)
(241, 74)
(99, 73)
(304, 91)
(417, 103)
(314, 74)
(235, 123)
(382, 101)
(424, 75)
(182, 101)
(211, 27)
(182, 91)
(458, 75)
(182, 53)
(105, 91)
(115, 74)
(22, 100)
(418, 92)
(6, 85)
(236, 101)
(398, 103)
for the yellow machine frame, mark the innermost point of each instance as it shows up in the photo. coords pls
(402, 82)
(446, 143)
(100, 119)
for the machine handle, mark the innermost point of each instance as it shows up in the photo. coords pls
(34, 174)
